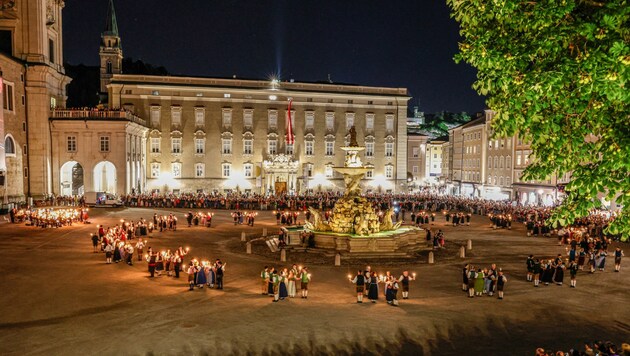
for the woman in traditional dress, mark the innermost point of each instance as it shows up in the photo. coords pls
(117, 254)
(547, 273)
(479, 282)
(291, 290)
(559, 274)
(373, 287)
(465, 278)
(167, 260)
(211, 276)
(159, 263)
(201, 275)
(283, 284)
(601, 263)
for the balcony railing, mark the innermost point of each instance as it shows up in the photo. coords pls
(86, 114)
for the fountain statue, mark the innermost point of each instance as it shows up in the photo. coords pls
(353, 213)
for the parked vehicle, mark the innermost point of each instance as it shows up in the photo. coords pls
(102, 199)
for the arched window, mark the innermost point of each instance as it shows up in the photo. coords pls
(501, 181)
(109, 67)
(496, 162)
(9, 146)
(501, 162)
(508, 161)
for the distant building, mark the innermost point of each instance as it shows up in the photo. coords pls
(433, 161)
(416, 156)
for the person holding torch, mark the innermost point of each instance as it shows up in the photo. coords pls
(359, 280)
(404, 281)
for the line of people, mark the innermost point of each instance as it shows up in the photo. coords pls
(282, 284)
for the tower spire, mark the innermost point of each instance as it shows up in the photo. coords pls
(111, 25)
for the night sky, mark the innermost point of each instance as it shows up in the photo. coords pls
(382, 43)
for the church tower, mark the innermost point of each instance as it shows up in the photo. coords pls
(110, 52)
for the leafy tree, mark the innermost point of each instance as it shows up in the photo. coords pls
(556, 73)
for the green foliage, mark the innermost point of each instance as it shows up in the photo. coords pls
(556, 73)
(437, 125)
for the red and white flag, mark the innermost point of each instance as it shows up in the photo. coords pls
(290, 136)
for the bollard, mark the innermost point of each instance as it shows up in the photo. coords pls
(469, 246)
(243, 238)
(431, 258)
(264, 232)
(337, 260)
(462, 252)
(283, 255)
(249, 248)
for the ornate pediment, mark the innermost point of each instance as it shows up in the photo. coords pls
(281, 162)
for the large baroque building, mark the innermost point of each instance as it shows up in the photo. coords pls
(33, 81)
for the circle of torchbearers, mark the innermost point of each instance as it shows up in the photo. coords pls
(50, 217)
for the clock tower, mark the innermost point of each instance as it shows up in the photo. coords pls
(110, 52)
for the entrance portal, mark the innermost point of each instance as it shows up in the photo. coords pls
(71, 179)
(105, 177)
(280, 188)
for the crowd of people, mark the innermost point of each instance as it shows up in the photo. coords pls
(596, 348)
(49, 217)
(367, 281)
(282, 284)
(478, 281)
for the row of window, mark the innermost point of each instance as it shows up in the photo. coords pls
(272, 119)
(501, 181)
(500, 143)
(104, 143)
(500, 162)
(473, 136)
(248, 147)
(248, 170)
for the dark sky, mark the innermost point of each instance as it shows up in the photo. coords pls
(397, 43)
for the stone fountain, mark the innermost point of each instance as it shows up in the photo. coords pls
(354, 228)
(353, 213)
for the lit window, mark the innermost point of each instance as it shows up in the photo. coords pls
(226, 170)
(389, 171)
(330, 121)
(227, 95)
(389, 149)
(248, 146)
(248, 169)
(369, 122)
(330, 148)
(104, 144)
(389, 123)
(272, 147)
(349, 120)
(227, 117)
(176, 145)
(200, 170)
(176, 116)
(328, 171)
(176, 169)
(155, 145)
(308, 148)
(248, 118)
(226, 145)
(155, 170)
(72, 144)
(309, 120)
(155, 116)
(200, 146)
(369, 149)
(200, 117)
(273, 119)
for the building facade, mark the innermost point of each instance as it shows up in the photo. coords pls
(208, 134)
(416, 156)
(433, 161)
(33, 81)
